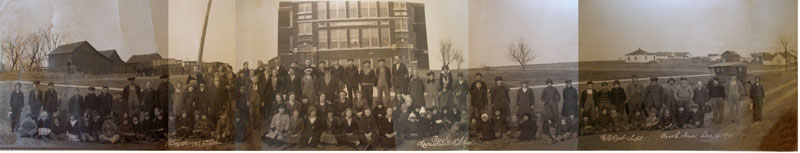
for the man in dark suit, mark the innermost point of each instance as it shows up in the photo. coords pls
(351, 78)
(399, 77)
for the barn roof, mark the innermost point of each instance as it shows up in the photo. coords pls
(144, 58)
(639, 52)
(112, 55)
(68, 48)
(729, 52)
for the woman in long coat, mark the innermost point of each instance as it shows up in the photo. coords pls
(431, 90)
(570, 96)
(417, 90)
(308, 84)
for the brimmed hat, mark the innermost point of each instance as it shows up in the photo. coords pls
(589, 82)
(51, 83)
(682, 78)
(653, 79)
(568, 81)
(478, 74)
(164, 76)
(36, 82)
(131, 78)
(616, 82)
(603, 83)
(524, 82)
(498, 78)
(549, 81)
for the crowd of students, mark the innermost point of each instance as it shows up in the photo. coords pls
(95, 117)
(665, 106)
(318, 104)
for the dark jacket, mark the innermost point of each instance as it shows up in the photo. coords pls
(594, 97)
(126, 92)
(50, 100)
(399, 75)
(17, 100)
(570, 106)
(717, 91)
(351, 75)
(618, 96)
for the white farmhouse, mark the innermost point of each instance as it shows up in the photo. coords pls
(639, 56)
(777, 59)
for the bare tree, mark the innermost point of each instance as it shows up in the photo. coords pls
(520, 52)
(459, 59)
(786, 47)
(448, 51)
(14, 50)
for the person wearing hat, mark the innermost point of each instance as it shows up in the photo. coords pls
(50, 99)
(618, 98)
(757, 98)
(635, 93)
(164, 93)
(132, 94)
(695, 117)
(500, 96)
(478, 79)
(653, 97)
(313, 129)
(486, 128)
(716, 91)
(431, 90)
(734, 91)
(368, 80)
(551, 97)
(35, 100)
(525, 99)
(570, 96)
(308, 84)
(17, 102)
(670, 101)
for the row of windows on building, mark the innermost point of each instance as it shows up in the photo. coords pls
(354, 38)
(348, 9)
(306, 28)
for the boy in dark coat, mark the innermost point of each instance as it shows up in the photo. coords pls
(525, 99)
(17, 102)
(757, 98)
(528, 128)
(500, 97)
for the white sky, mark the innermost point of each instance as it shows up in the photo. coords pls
(549, 26)
(611, 28)
(107, 24)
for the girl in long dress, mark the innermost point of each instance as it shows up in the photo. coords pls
(431, 90)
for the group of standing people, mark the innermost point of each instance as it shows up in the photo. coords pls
(665, 106)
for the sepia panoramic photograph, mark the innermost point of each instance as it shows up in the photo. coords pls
(398, 75)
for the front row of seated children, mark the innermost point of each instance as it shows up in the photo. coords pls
(609, 120)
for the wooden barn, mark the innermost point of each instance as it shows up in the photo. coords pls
(79, 57)
(119, 65)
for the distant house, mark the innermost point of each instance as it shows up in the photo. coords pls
(781, 58)
(681, 55)
(730, 56)
(79, 57)
(640, 56)
(713, 57)
(663, 55)
(757, 57)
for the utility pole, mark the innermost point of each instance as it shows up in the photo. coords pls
(203, 37)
